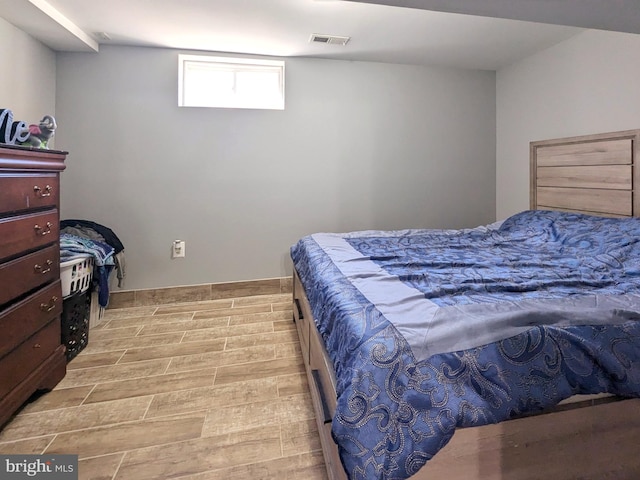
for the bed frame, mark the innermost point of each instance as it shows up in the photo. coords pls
(593, 437)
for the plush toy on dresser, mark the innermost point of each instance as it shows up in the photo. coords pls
(17, 133)
(39, 135)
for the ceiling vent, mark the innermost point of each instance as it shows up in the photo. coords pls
(329, 39)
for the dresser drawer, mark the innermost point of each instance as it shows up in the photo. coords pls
(18, 322)
(28, 232)
(26, 273)
(28, 356)
(28, 191)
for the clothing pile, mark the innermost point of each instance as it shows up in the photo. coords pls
(87, 237)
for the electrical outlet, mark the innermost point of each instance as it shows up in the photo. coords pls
(178, 249)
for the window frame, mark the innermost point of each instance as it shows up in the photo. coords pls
(235, 65)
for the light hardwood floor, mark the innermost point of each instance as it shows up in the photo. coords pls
(195, 391)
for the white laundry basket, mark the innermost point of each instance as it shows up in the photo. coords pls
(75, 274)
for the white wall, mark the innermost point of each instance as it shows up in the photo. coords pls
(27, 76)
(360, 145)
(587, 84)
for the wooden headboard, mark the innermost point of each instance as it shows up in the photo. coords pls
(594, 174)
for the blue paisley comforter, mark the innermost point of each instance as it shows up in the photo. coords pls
(433, 330)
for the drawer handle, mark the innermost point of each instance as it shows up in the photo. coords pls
(299, 308)
(315, 374)
(43, 193)
(47, 307)
(39, 269)
(37, 345)
(43, 231)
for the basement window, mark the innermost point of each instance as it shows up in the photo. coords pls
(225, 82)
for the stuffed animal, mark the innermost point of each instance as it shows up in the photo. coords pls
(39, 135)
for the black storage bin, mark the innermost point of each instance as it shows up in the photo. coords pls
(75, 323)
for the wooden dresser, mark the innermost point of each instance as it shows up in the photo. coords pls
(32, 356)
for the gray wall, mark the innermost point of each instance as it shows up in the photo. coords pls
(27, 76)
(359, 146)
(587, 84)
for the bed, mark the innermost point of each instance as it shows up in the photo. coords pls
(508, 350)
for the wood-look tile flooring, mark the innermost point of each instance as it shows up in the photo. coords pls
(193, 391)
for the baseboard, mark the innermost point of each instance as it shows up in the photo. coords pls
(198, 293)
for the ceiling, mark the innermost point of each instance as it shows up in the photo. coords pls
(432, 32)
